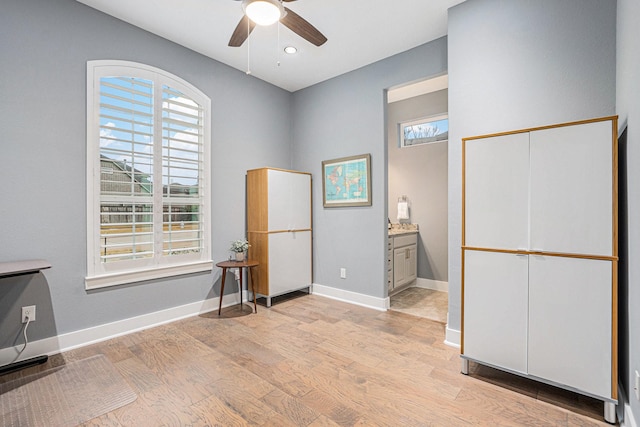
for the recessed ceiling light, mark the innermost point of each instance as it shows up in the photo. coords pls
(290, 49)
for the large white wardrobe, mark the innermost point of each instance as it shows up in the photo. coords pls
(279, 229)
(539, 255)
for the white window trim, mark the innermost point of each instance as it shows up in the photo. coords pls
(427, 119)
(99, 275)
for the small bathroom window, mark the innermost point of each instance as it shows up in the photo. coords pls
(424, 131)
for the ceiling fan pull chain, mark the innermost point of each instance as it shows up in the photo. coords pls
(278, 45)
(248, 47)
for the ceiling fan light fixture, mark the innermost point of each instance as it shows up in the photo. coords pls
(263, 12)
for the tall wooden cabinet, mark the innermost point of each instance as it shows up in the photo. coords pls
(279, 229)
(539, 285)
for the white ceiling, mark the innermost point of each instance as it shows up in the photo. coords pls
(359, 32)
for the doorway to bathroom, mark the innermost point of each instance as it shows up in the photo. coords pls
(417, 123)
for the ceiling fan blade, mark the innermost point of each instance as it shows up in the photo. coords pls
(240, 34)
(301, 27)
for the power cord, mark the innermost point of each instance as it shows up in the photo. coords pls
(24, 332)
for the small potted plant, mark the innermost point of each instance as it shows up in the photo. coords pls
(239, 246)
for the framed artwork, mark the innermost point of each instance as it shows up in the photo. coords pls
(346, 181)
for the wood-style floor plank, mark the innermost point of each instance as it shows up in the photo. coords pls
(293, 409)
(138, 375)
(315, 362)
(170, 408)
(107, 420)
(214, 412)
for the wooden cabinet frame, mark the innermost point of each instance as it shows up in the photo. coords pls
(279, 230)
(612, 256)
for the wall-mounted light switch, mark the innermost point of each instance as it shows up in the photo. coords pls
(343, 273)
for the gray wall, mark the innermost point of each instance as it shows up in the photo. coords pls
(44, 49)
(341, 117)
(518, 64)
(512, 64)
(628, 109)
(420, 173)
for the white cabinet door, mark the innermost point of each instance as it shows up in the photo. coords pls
(289, 200)
(571, 189)
(570, 322)
(411, 263)
(405, 256)
(497, 192)
(495, 308)
(289, 261)
(399, 267)
(405, 259)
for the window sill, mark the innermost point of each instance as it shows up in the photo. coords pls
(121, 278)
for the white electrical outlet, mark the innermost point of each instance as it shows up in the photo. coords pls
(30, 312)
(343, 273)
(637, 386)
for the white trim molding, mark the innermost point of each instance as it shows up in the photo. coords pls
(376, 303)
(452, 337)
(123, 277)
(95, 334)
(629, 420)
(435, 285)
(623, 410)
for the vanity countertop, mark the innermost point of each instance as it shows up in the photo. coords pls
(397, 229)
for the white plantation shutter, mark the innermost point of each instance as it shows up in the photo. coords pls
(147, 199)
(181, 173)
(126, 169)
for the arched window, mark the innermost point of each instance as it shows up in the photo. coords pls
(148, 137)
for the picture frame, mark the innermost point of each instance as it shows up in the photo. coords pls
(346, 182)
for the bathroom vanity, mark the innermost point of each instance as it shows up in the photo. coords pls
(402, 265)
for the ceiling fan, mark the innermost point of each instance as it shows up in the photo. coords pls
(278, 12)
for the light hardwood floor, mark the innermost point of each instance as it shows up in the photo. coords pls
(422, 302)
(312, 361)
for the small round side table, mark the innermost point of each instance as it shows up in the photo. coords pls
(246, 264)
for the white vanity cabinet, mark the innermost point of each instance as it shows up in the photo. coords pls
(539, 253)
(402, 258)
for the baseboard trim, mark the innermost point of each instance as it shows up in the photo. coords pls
(629, 420)
(436, 285)
(95, 334)
(452, 337)
(376, 303)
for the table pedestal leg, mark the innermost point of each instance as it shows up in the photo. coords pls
(224, 275)
(253, 289)
(240, 285)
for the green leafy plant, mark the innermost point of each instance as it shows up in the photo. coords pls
(240, 245)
